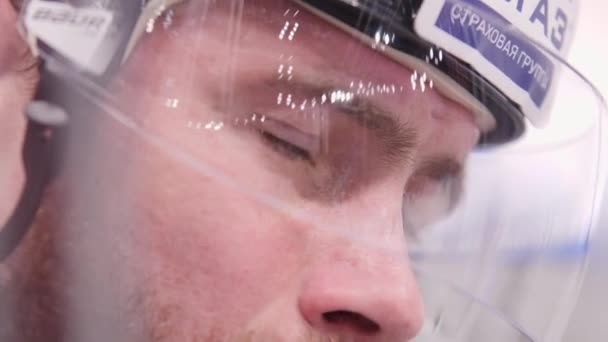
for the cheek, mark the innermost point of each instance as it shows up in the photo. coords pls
(204, 243)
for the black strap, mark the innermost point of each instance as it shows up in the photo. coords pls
(41, 155)
(38, 162)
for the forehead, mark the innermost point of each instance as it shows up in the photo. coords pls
(279, 37)
(278, 31)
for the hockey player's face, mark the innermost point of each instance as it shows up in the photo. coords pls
(265, 194)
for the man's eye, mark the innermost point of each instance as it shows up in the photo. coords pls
(286, 148)
(286, 139)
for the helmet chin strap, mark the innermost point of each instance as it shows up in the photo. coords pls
(41, 154)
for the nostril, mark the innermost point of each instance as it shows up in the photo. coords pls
(356, 321)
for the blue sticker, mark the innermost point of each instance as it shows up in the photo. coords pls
(479, 26)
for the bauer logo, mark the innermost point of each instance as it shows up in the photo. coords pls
(91, 22)
(79, 34)
(480, 27)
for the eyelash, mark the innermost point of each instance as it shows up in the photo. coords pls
(285, 148)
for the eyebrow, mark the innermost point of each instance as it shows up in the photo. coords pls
(441, 168)
(446, 171)
(398, 137)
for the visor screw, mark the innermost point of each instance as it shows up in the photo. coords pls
(46, 113)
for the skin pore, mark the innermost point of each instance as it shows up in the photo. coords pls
(284, 230)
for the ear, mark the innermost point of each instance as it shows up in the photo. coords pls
(18, 72)
(14, 52)
(18, 80)
(16, 60)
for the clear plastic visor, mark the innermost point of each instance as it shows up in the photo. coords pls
(253, 172)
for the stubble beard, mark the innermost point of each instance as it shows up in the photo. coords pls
(80, 296)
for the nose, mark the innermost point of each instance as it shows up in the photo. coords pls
(362, 299)
(358, 284)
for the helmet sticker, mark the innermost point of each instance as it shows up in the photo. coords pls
(491, 35)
